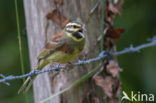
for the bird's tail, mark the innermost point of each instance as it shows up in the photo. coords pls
(27, 84)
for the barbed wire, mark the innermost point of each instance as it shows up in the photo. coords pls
(101, 56)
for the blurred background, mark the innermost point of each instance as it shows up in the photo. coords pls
(139, 69)
(9, 51)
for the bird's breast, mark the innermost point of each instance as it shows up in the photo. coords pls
(62, 57)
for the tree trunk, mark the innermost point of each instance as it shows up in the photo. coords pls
(40, 30)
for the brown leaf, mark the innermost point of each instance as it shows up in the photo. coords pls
(95, 100)
(49, 16)
(115, 34)
(56, 17)
(115, 8)
(90, 98)
(118, 5)
(60, 2)
(113, 68)
(105, 84)
(111, 37)
(111, 10)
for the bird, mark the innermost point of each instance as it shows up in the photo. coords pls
(62, 48)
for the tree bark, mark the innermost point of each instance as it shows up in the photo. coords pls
(40, 30)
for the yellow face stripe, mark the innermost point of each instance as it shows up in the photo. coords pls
(74, 38)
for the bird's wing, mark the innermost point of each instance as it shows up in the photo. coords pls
(54, 44)
(49, 48)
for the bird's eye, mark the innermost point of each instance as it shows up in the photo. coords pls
(74, 26)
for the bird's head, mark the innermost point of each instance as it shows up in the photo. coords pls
(75, 31)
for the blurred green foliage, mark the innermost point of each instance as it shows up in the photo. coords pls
(9, 50)
(139, 69)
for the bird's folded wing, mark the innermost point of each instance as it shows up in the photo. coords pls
(54, 43)
(49, 48)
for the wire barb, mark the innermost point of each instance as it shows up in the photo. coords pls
(5, 82)
(4, 79)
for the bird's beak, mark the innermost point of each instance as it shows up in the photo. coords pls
(83, 27)
(82, 34)
(81, 30)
